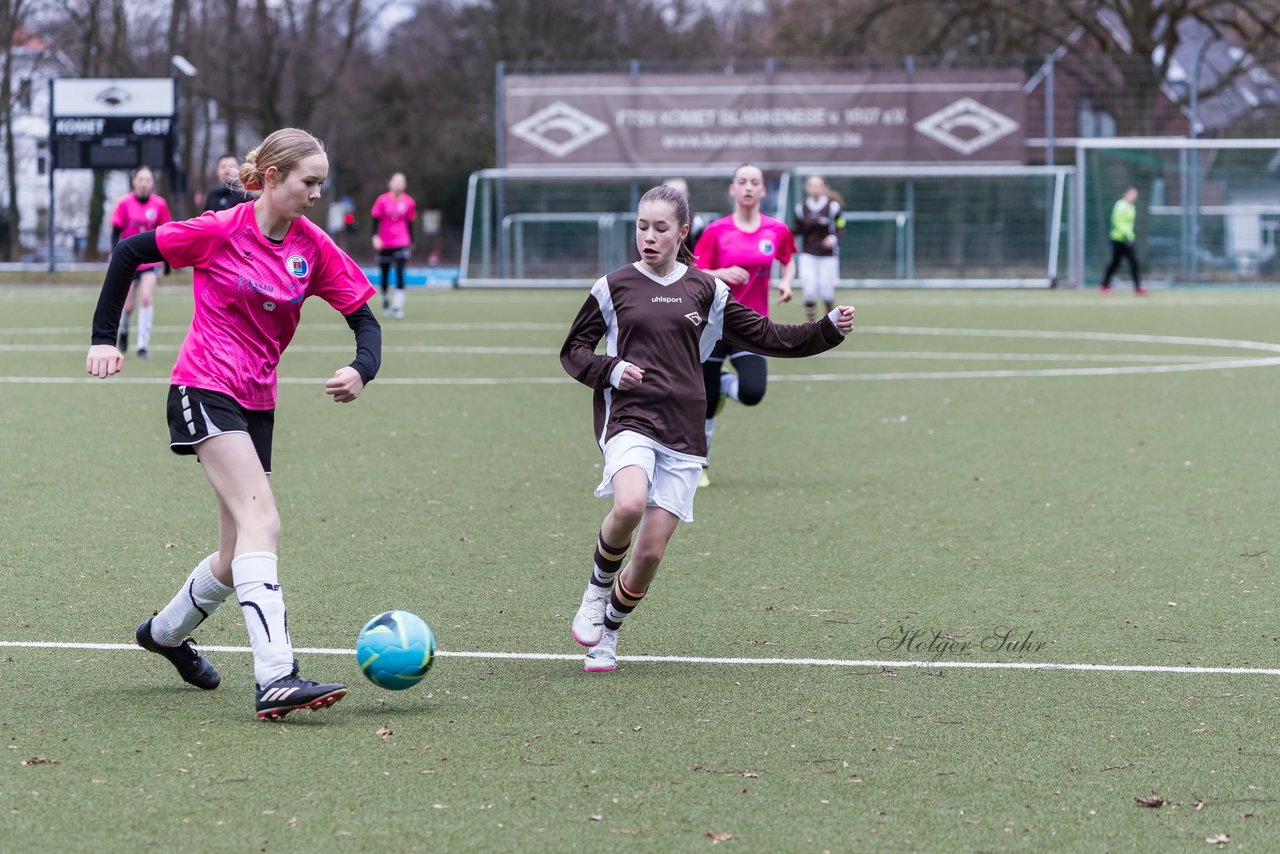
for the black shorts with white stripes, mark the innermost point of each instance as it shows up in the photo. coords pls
(196, 414)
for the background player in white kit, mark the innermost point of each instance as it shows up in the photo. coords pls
(660, 318)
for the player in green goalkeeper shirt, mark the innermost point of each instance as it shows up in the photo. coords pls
(1123, 218)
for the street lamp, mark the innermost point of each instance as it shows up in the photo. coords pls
(183, 65)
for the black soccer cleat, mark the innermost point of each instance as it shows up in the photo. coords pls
(193, 667)
(290, 693)
(143, 354)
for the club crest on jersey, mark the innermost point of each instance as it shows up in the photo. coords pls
(297, 266)
(694, 318)
(766, 246)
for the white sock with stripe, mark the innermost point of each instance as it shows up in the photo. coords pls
(146, 315)
(200, 596)
(258, 589)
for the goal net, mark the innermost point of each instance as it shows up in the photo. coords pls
(1208, 210)
(905, 227)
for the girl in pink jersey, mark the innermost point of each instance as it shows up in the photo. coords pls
(393, 214)
(659, 318)
(740, 250)
(135, 213)
(253, 266)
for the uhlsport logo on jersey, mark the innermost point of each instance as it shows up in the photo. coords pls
(766, 246)
(297, 266)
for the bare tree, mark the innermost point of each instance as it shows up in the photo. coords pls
(12, 16)
(1122, 50)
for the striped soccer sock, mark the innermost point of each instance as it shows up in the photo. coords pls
(606, 562)
(621, 602)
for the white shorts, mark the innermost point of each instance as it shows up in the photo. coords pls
(818, 275)
(673, 478)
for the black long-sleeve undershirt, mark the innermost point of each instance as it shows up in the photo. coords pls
(128, 255)
(140, 249)
(368, 343)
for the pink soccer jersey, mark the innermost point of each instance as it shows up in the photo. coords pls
(132, 217)
(248, 297)
(393, 215)
(723, 244)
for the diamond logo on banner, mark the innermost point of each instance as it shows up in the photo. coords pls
(114, 97)
(559, 129)
(966, 126)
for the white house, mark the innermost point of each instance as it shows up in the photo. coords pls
(35, 64)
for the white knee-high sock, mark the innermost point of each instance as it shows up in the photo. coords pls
(200, 596)
(258, 589)
(710, 428)
(146, 314)
(397, 300)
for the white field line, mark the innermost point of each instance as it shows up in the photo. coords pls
(1209, 296)
(530, 326)
(1175, 364)
(1224, 365)
(887, 355)
(694, 659)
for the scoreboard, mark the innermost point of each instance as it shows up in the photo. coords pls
(113, 123)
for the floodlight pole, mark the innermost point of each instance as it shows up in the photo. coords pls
(182, 66)
(1193, 188)
(52, 169)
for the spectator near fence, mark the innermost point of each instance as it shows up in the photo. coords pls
(1124, 217)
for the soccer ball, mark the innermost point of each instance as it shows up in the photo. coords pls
(395, 650)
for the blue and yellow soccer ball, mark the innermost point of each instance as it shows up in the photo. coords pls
(395, 650)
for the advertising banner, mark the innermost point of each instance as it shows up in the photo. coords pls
(776, 120)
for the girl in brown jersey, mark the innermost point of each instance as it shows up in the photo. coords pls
(818, 222)
(660, 318)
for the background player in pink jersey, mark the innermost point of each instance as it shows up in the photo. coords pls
(660, 319)
(393, 215)
(253, 266)
(740, 250)
(135, 213)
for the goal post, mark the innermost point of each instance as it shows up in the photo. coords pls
(947, 226)
(549, 227)
(924, 226)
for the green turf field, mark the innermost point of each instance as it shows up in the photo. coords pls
(996, 479)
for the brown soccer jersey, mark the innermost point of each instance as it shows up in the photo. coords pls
(667, 327)
(813, 226)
